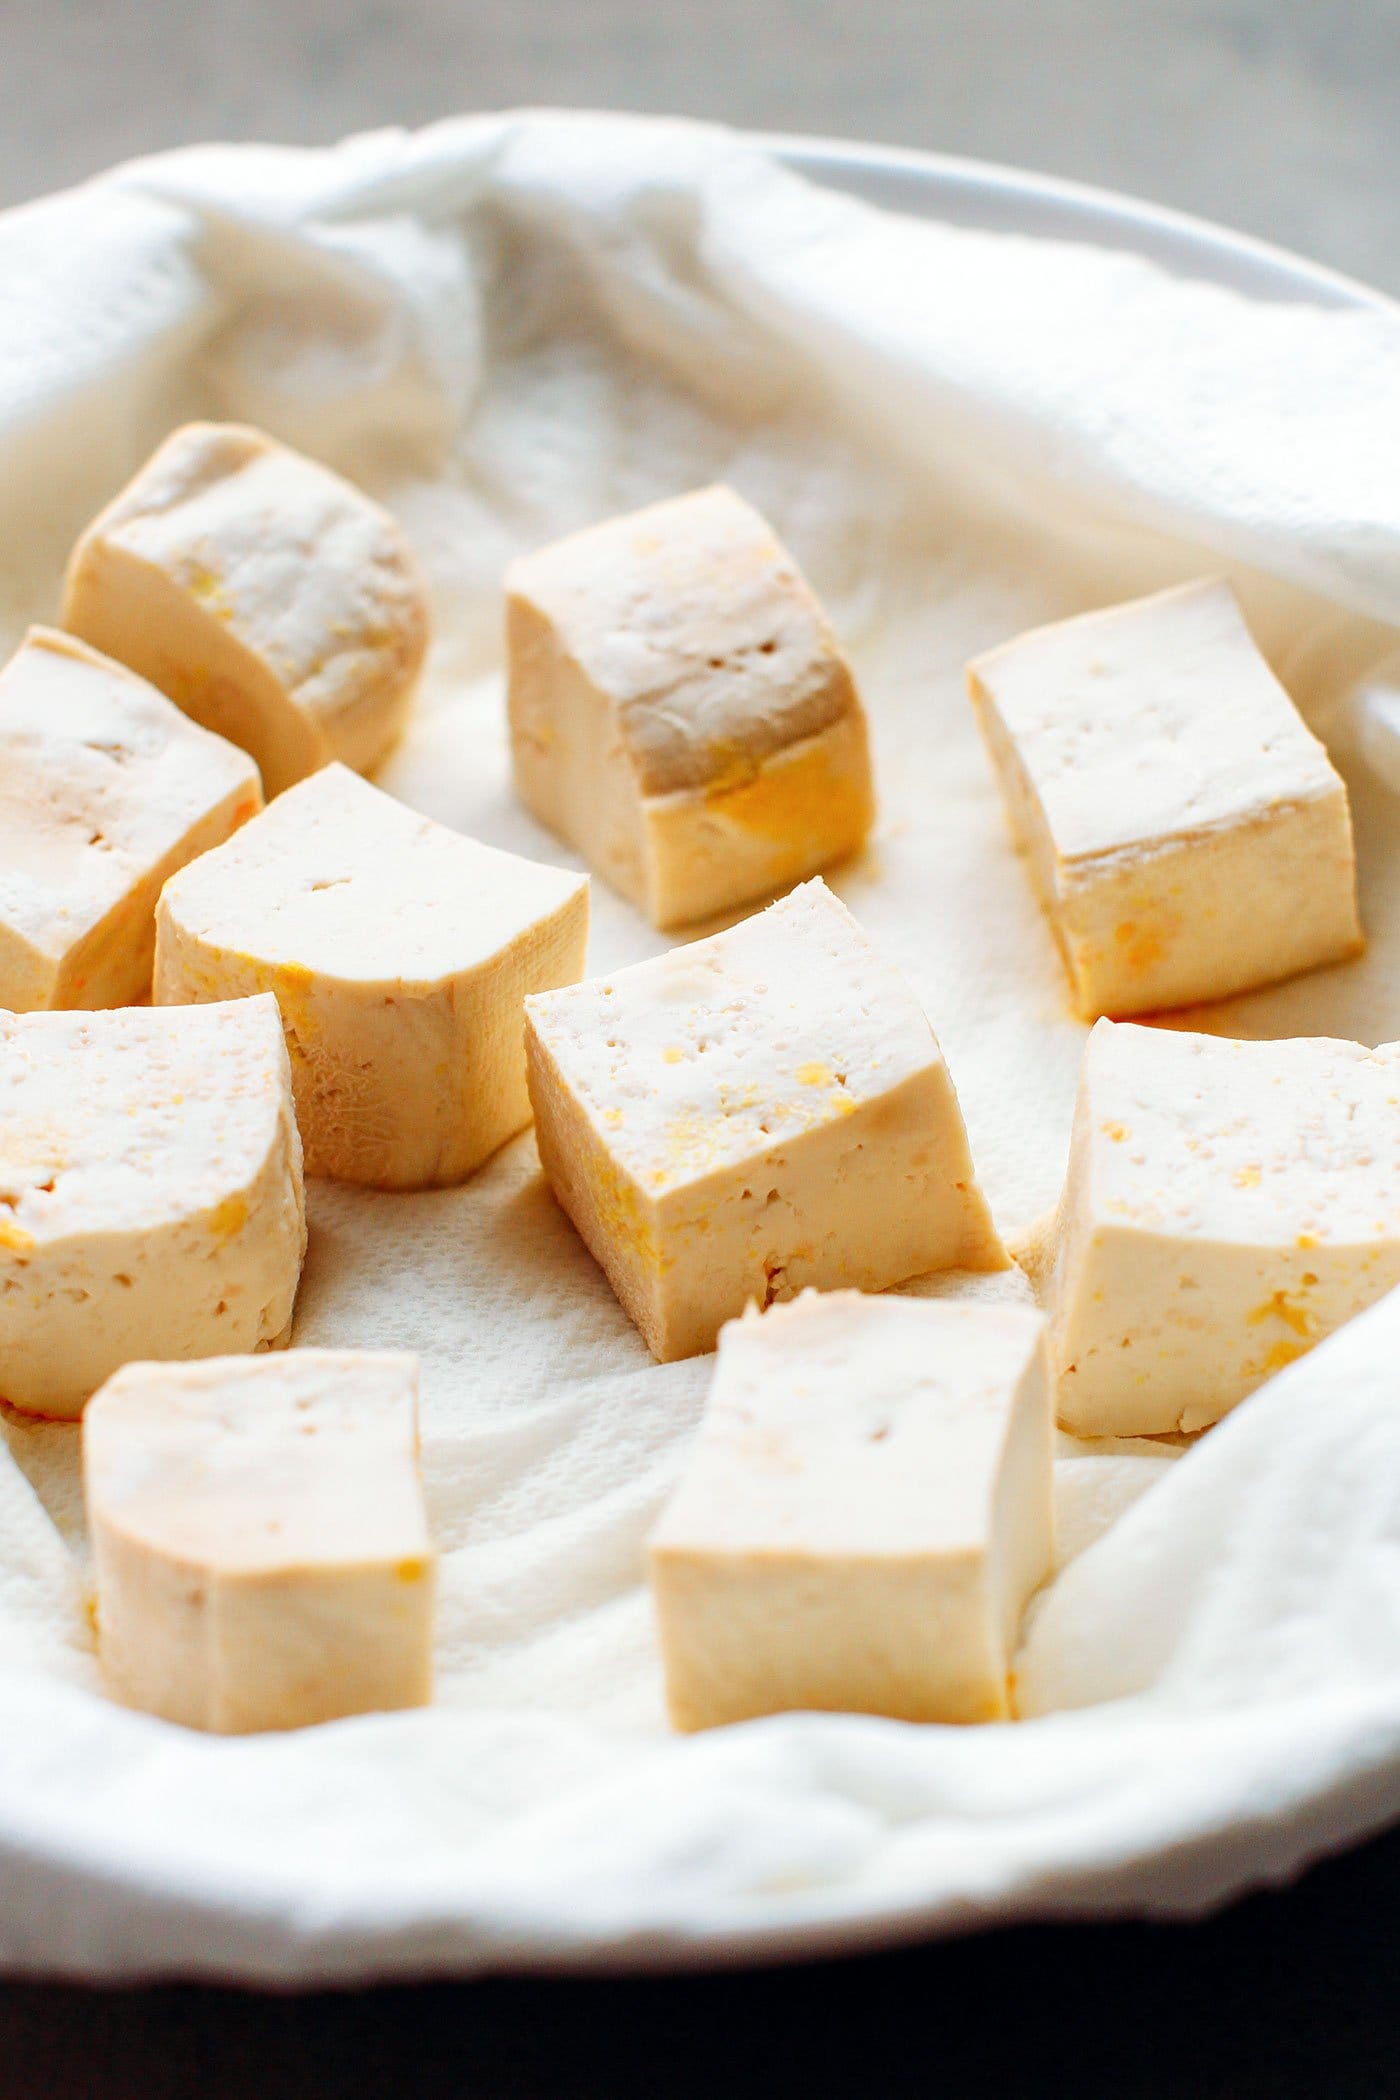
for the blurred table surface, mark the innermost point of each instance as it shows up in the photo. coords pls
(1281, 117)
(1278, 116)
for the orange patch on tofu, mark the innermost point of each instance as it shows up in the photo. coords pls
(1284, 1353)
(1285, 1306)
(230, 1217)
(800, 795)
(1141, 946)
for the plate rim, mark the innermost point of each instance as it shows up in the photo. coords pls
(1157, 226)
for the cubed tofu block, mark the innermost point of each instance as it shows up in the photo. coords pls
(866, 1512)
(105, 789)
(680, 710)
(260, 1541)
(267, 597)
(400, 954)
(150, 1193)
(1186, 832)
(760, 1111)
(1227, 1205)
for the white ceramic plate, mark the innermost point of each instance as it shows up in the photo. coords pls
(997, 200)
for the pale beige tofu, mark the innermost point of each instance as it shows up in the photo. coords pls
(758, 1112)
(400, 953)
(1227, 1205)
(865, 1514)
(150, 1193)
(260, 1541)
(1187, 834)
(680, 711)
(266, 596)
(105, 789)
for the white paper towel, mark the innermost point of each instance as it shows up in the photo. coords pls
(507, 327)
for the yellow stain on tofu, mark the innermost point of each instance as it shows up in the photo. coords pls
(14, 1239)
(814, 1075)
(619, 1206)
(671, 1055)
(1284, 1353)
(1246, 1177)
(410, 1570)
(1283, 1306)
(690, 1145)
(788, 798)
(1117, 1131)
(1141, 946)
(732, 766)
(230, 1217)
(208, 590)
(293, 986)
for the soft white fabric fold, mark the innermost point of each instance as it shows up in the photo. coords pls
(507, 326)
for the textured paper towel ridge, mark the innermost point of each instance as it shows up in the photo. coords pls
(507, 327)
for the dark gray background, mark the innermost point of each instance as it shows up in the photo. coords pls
(1278, 116)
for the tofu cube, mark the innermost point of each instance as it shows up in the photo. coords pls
(1186, 832)
(150, 1193)
(754, 1113)
(105, 789)
(400, 954)
(260, 1541)
(680, 711)
(866, 1512)
(268, 598)
(1227, 1205)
